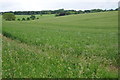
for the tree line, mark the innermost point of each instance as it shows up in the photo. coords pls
(67, 12)
(10, 16)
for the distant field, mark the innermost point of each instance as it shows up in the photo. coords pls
(74, 46)
(37, 16)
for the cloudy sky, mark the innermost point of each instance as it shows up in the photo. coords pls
(37, 5)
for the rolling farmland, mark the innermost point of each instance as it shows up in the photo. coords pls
(74, 46)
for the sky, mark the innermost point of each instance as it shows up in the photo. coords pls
(38, 5)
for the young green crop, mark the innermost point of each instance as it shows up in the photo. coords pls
(74, 46)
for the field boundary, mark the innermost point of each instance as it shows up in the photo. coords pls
(0, 45)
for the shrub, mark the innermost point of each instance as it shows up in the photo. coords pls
(23, 19)
(18, 19)
(32, 17)
(28, 18)
(37, 18)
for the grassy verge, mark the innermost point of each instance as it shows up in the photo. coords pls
(26, 61)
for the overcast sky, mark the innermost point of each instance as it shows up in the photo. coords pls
(37, 5)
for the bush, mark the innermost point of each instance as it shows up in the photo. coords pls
(9, 16)
(18, 19)
(23, 19)
(37, 18)
(32, 17)
(28, 18)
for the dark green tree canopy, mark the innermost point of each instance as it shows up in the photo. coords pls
(9, 16)
(23, 19)
(68, 12)
(32, 17)
(18, 19)
(28, 18)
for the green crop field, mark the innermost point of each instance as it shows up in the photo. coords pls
(74, 46)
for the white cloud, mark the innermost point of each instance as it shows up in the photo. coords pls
(37, 5)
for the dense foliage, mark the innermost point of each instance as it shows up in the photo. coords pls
(32, 17)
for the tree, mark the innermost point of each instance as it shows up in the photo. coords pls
(110, 10)
(9, 16)
(96, 10)
(28, 18)
(23, 19)
(87, 11)
(37, 18)
(60, 14)
(32, 17)
(18, 19)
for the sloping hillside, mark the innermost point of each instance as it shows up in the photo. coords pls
(74, 46)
